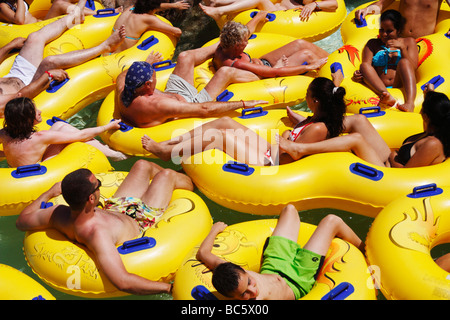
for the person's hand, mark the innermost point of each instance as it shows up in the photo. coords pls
(154, 57)
(59, 74)
(261, 15)
(358, 76)
(17, 43)
(252, 103)
(395, 43)
(317, 64)
(428, 87)
(337, 77)
(218, 227)
(362, 13)
(181, 5)
(113, 125)
(307, 10)
(55, 190)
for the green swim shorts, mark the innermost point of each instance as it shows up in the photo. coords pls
(297, 266)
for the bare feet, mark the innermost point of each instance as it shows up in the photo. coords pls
(155, 148)
(387, 100)
(115, 39)
(213, 12)
(282, 62)
(291, 148)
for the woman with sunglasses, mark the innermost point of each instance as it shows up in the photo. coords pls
(23, 145)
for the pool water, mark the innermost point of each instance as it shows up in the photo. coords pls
(11, 239)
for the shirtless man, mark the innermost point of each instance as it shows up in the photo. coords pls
(234, 282)
(142, 105)
(421, 15)
(31, 73)
(102, 230)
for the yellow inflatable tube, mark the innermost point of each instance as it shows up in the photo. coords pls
(336, 180)
(344, 274)
(16, 285)
(77, 37)
(287, 22)
(399, 242)
(433, 50)
(279, 91)
(25, 184)
(94, 79)
(71, 268)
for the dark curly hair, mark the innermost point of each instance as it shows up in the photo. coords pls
(20, 114)
(226, 278)
(331, 103)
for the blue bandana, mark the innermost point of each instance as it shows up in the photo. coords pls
(139, 73)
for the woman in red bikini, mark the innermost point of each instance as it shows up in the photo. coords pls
(324, 98)
(432, 146)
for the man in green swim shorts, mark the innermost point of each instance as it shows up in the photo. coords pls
(287, 271)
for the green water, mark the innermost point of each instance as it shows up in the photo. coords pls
(11, 239)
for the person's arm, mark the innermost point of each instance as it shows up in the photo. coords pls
(16, 43)
(9, 16)
(311, 6)
(368, 71)
(374, 8)
(179, 5)
(111, 264)
(154, 23)
(42, 83)
(35, 218)
(260, 16)
(407, 47)
(177, 109)
(60, 137)
(204, 253)
(269, 72)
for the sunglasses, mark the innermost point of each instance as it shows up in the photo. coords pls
(98, 186)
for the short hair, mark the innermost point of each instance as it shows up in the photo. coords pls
(226, 278)
(76, 188)
(20, 114)
(233, 33)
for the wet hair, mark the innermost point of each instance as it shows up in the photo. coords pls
(436, 106)
(397, 19)
(226, 278)
(232, 34)
(144, 6)
(76, 188)
(20, 114)
(332, 105)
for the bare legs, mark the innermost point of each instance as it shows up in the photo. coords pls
(225, 134)
(224, 7)
(331, 226)
(74, 58)
(295, 53)
(363, 140)
(158, 193)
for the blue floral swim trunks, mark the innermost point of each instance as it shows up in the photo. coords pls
(133, 207)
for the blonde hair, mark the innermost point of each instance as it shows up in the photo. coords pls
(233, 33)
